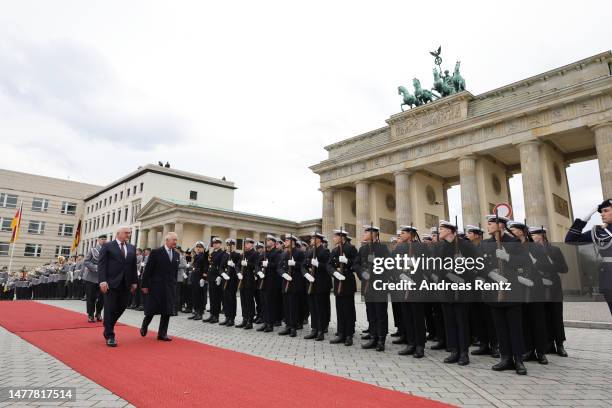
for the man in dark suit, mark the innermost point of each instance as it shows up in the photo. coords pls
(118, 279)
(158, 282)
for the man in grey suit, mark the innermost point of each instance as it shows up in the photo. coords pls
(118, 279)
(94, 298)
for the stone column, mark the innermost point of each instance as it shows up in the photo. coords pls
(144, 238)
(362, 193)
(470, 202)
(328, 221)
(206, 235)
(603, 145)
(233, 233)
(178, 229)
(536, 210)
(403, 210)
(152, 238)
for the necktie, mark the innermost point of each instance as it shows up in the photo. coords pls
(123, 250)
(170, 255)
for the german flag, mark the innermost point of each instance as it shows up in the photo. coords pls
(77, 237)
(16, 223)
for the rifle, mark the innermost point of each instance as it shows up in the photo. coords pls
(229, 254)
(289, 270)
(314, 256)
(241, 282)
(500, 264)
(263, 268)
(370, 250)
(341, 264)
(456, 240)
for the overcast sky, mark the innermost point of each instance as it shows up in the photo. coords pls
(253, 90)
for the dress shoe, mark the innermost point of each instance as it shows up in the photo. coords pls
(348, 341)
(520, 368)
(98, 318)
(320, 336)
(284, 332)
(248, 326)
(292, 333)
(90, 319)
(505, 363)
(230, 323)
(396, 334)
(542, 358)
(164, 338)
(380, 344)
(419, 352)
(561, 350)
(208, 319)
(408, 350)
(481, 351)
(259, 320)
(214, 319)
(310, 335)
(268, 329)
(530, 356)
(197, 317)
(464, 359)
(400, 340)
(242, 324)
(453, 358)
(192, 317)
(111, 342)
(495, 351)
(338, 340)
(366, 336)
(143, 331)
(430, 337)
(370, 344)
(439, 346)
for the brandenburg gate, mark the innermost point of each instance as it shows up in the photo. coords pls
(400, 173)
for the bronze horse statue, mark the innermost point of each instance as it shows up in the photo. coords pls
(407, 97)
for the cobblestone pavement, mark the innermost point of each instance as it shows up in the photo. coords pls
(583, 379)
(22, 364)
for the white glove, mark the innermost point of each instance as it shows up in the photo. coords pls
(342, 259)
(231, 263)
(404, 277)
(365, 275)
(309, 277)
(225, 276)
(291, 262)
(239, 275)
(315, 262)
(587, 216)
(184, 275)
(202, 282)
(188, 264)
(547, 282)
(264, 263)
(496, 276)
(218, 280)
(79, 278)
(339, 276)
(502, 254)
(244, 262)
(533, 260)
(287, 277)
(142, 264)
(525, 281)
(261, 274)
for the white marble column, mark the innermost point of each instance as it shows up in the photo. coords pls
(152, 239)
(403, 208)
(603, 145)
(536, 210)
(233, 233)
(144, 238)
(362, 193)
(470, 202)
(328, 221)
(178, 229)
(206, 235)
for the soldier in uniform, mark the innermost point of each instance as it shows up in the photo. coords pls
(601, 237)
(376, 311)
(181, 278)
(230, 282)
(197, 281)
(289, 269)
(396, 307)
(93, 295)
(318, 286)
(215, 292)
(554, 306)
(270, 283)
(259, 247)
(246, 278)
(278, 307)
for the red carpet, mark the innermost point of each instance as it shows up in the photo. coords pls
(24, 315)
(147, 372)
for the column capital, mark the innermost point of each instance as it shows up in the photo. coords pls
(529, 142)
(403, 171)
(599, 126)
(366, 182)
(469, 156)
(327, 189)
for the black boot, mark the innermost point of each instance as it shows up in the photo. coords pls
(349, 341)
(464, 358)
(214, 319)
(380, 345)
(197, 317)
(292, 333)
(561, 350)
(370, 344)
(407, 351)
(320, 336)
(505, 363)
(337, 340)
(248, 325)
(453, 358)
(311, 335)
(530, 356)
(542, 358)
(520, 367)
(285, 331)
(439, 346)
(230, 322)
(242, 324)
(268, 328)
(482, 350)
(419, 352)
(400, 340)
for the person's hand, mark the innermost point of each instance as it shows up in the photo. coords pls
(231, 263)
(587, 216)
(315, 262)
(244, 262)
(309, 277)
(239, 275)
(339, 276)
(225, 276)
(261, 274)
(264, 263)
(291, 262)
(202, 281)
(104, 287)
(502, 254)
(144, 290)
(286, 276)
(342, 259)
(133, 288)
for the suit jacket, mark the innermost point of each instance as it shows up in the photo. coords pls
(115, 269)
(159, 277)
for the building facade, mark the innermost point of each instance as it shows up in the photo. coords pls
(399, 174)
(52, 209)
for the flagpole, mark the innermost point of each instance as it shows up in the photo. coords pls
(13, 249)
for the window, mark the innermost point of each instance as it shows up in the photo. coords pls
(40, 204)
(134, 192)
(115, 197)
(65, 230)
(121, 195)
(105, 202)
(36, 227)
(113, 217)
(125, 214)
(68, 208)
(119, 215)
(128, 192)
(32, 250)
(141, 187)
(193, 195)
(5, 224)
(8, 200)
(4, 248)
(62, 250)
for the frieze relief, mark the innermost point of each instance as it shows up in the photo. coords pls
(416, 122)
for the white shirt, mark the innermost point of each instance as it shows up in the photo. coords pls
(169, 252)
